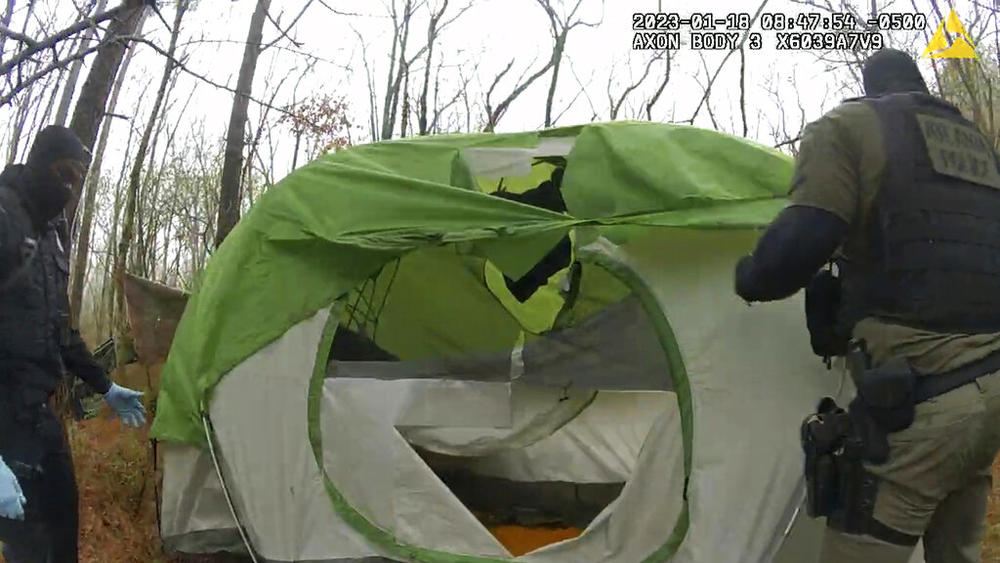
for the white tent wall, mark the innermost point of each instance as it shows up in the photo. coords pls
(194, 517)
(752, 380)
(259, 415)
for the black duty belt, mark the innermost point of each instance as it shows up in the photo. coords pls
(930, 386)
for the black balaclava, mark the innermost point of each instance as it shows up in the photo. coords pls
(43, 191)
(891, 71)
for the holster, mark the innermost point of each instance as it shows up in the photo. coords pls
(823, 436)
(837, 485)
(838, 443)
(857, 489)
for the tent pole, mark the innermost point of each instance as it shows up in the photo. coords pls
(225, 490)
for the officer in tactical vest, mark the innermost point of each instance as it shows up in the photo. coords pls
(38, 494)
(901, 196)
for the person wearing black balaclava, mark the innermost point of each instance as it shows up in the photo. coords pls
(902, 194)
(38, 493)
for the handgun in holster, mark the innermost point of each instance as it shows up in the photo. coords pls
(838, 443)
(823, 435)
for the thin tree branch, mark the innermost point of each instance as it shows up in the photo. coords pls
(708, 87)
(659, 91)
(586, 95)
(568, 106)
(347, 14)
(284, 32)
(305, 54)
(26, 82)
(705, 100)
(743, 89)
(621, 99)
(17, 36)
(445, 23)
(788, 142)
(180, 65)
(51, 41)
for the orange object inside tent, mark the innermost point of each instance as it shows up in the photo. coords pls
(523, 539)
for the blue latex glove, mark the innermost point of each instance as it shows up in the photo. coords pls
(11, 497)
(127, 404)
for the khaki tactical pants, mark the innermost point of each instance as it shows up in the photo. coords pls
(936, 482)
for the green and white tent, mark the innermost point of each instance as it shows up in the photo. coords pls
(635, 392)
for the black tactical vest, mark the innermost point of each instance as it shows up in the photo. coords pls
(932, 255)
(34, 311)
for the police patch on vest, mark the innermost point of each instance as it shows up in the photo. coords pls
(959, 151)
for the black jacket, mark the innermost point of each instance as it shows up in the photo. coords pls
(37, 341)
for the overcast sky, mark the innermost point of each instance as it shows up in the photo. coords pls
(481, 43)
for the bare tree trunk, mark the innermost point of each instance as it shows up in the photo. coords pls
(147, 203)
(123, 337)
(392, 70)
(229, 194)
(163, 167)
(405, 114)
(52, 98)
(74, 72)
(94, 94)
(370, 82)
(743, 90)
(108, 286)
(560, 31)
(161, 275)
(108, 314)
(431, 36)
(557, 54)
(90, 198)
(393, 92)
(295, 151)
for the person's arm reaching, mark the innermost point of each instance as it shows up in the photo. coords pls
(824, 199)
(791, 251)
(126, 403)
(81, 363)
